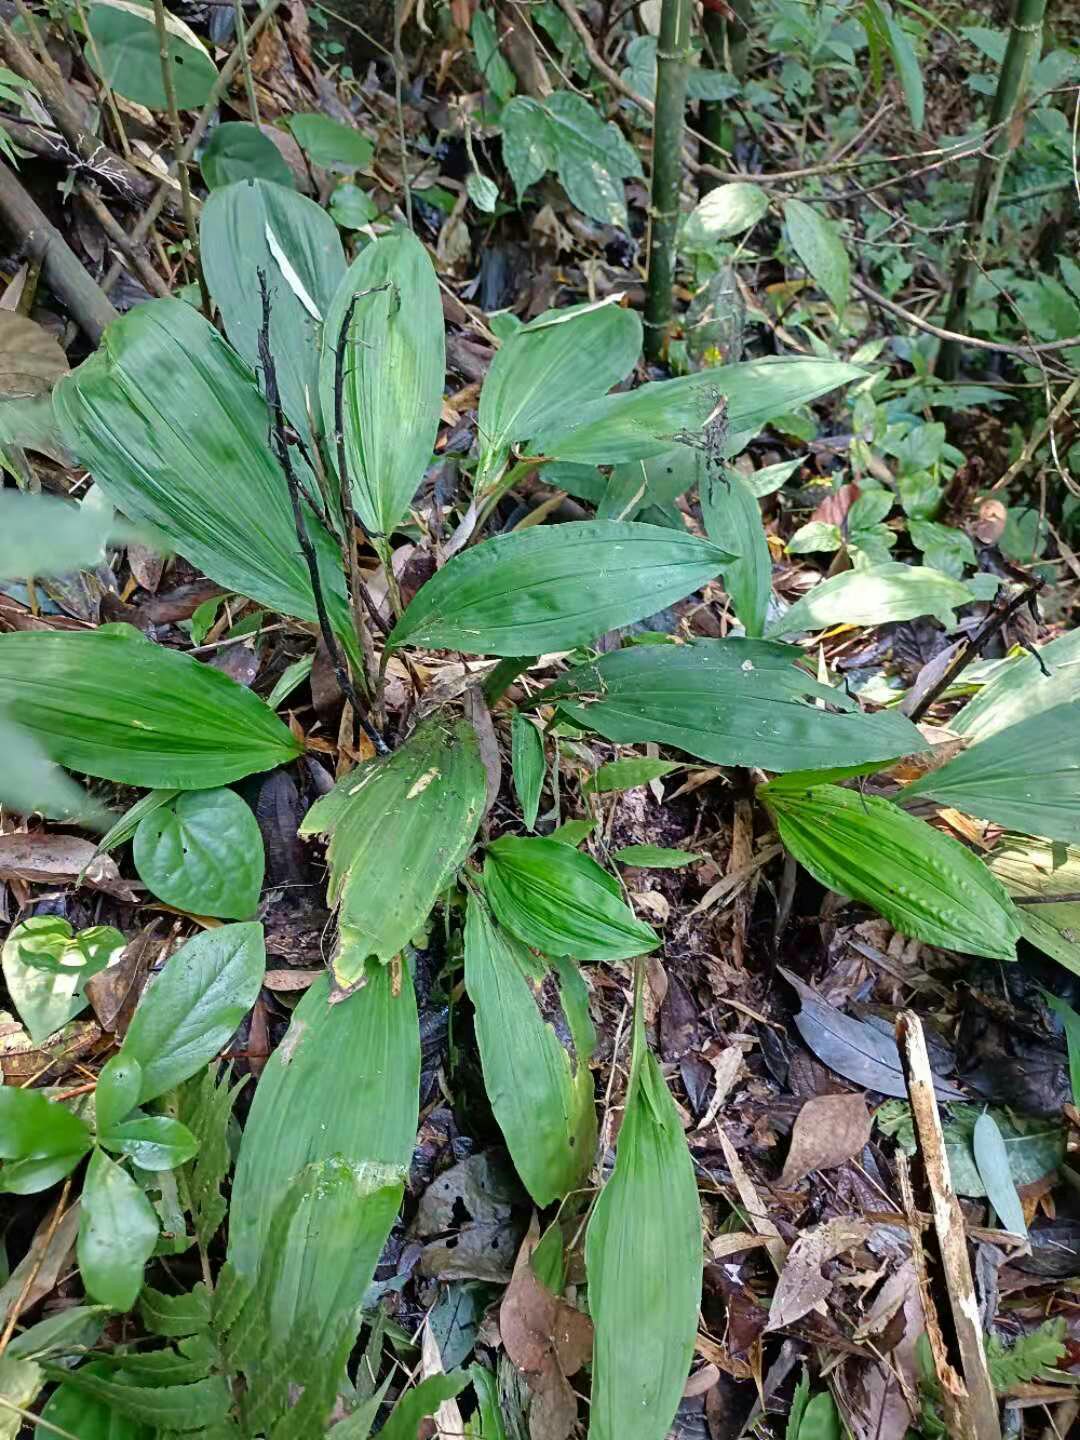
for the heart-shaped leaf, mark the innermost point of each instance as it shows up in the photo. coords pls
(202, 852)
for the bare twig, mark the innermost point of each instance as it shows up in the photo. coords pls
(399, 67)
(1001, 347)
(974, 647)
(164, 196)
(284, 457)
(35, 1268)
(245, 61)
(178, 146)
(970, 1406)
(41, 241)
(118, 236)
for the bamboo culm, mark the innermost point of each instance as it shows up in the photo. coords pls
(672, 72)
(1021, 55)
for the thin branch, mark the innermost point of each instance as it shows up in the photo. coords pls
(974, 647)
(178, 146)
(399, 66)
(35, 1268)
(284, 457)
(1001, 347)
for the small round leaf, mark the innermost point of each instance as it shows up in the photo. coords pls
(202, 853)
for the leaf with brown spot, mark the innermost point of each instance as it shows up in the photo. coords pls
(829, 1130)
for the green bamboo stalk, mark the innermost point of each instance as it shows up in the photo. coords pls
(672, 72)
(727, 46)
(1021, 55)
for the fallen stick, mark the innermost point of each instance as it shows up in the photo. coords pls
(968, 1399)
(40, 240)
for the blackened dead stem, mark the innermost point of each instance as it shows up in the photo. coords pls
(284, 457)
(963, 658)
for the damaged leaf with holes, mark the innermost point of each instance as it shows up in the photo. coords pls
(535, 1040)
(399, 827)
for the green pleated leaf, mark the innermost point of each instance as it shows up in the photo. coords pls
(923, 882)
(549, 367)
(535, 1041)
(202, 852)
(555, 586)
(529, 765)
(992, 1158)
(733, 520)
(640, 423)
(256, 225)
(163, 1408)
(656, 857)
(74, 1412)
(111, 704)
(169, 421)
(643, 1258)
(399, 827)
(1019, 689)
(343, 1082)
(189, 1010)
(561, 902)
(393, 374)
(40, 1141)
(323, 1243)
(1040, 869)
(1025, 778)
(731, 702)
(875, 596)
(118, 1230)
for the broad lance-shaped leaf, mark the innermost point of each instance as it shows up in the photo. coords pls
(643, 1258)
(561, 902)
(892, 591)
(555, 586)
(733, 519)
(535, 1040)
(118, 1230)
(819, 246)
(189, 1010)
(393, 375)
(529, 765)
(549, 366)
(168, 420)
(1026, 778)
(1040, 869)
(256, 225)
(643, 422)
(731, 702)
(399, 828)
(1023, 687)
(1034, 1146)
(110, 703)
(323, 1243)
(344, 1082)
(923, 882)
(992, 1158)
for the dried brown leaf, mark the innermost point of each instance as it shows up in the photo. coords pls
(829, 1130)
(547, 1340)
(45, 857)
(802, 1286)
(31, 360)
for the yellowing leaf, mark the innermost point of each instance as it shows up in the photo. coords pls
(399, 827)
